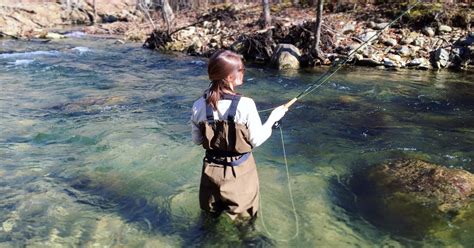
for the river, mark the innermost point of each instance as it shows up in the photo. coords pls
(95, 148)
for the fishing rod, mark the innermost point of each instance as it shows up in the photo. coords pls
(321, 80)
(336, 67)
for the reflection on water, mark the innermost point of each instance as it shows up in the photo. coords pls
(96, 149)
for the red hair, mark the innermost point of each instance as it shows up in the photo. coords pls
(221, 64)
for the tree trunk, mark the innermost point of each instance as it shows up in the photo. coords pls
(296, 3)
(266, 14)
(68, 6)
(317, 29)
(168, 15)
(95, 12)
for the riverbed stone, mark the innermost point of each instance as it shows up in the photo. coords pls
(410, 38)
(380, 26)
(358, 56)
(53, 36)
(414, 62)
(428, 31)
(186, 33)
(8, 225)
(366, 36)
(390, 63)
(394, 57)
(368, 62)
(390, 41)
(441, 58)
(418, 63)
(404, 51)
(348, 28)
(286, 56)
(445, 29)
(420, 41)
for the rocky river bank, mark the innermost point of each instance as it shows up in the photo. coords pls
(427, 38)
(444, 43)
(43, 20)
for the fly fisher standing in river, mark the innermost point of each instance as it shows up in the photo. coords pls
(228, 127)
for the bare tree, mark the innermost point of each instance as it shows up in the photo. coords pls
(266, 14)
(168, 14)
(317, 28)
(95, 11)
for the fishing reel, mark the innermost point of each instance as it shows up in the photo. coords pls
(276, 125)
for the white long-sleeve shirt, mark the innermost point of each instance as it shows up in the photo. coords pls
(246, 114)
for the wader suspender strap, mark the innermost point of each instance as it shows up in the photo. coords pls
(209, 112)
(233, 107)
(231, 112)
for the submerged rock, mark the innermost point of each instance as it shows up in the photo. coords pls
(426, 183)
(413, 198)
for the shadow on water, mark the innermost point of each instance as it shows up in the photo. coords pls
(358, 198)
(156, 217)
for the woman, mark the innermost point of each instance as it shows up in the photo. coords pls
(228, 126)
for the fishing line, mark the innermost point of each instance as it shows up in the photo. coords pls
(319, 82)
(291, 197)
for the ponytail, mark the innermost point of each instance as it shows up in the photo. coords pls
(216, 91)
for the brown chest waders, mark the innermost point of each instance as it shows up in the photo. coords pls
(229, 180)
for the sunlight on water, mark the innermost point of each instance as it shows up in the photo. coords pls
(96, 149)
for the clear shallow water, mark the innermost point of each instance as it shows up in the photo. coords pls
(95, 148)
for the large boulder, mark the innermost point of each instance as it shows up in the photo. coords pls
(429, 184)
(413, 197)
(441, 58)
(286, 56)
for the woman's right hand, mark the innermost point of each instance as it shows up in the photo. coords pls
(277, 114)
